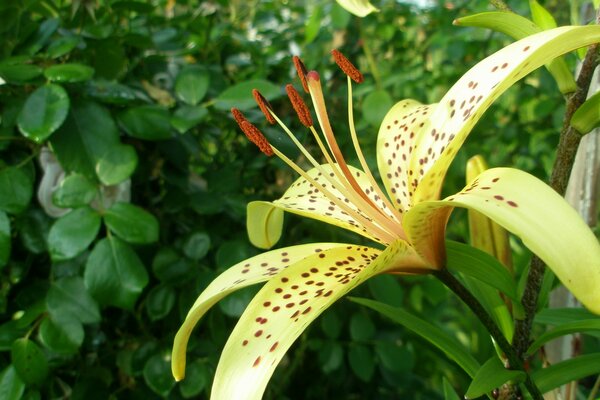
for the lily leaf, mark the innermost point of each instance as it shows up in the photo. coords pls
(590, 325)
(559, 374)
(587, 117)
(491, 375)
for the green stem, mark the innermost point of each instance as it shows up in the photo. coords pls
(514, 361)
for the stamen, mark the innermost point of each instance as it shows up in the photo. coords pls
(256, 137)
(346, 66)
(301, 70)
(264, 105)
(300, 106)
(238, 116)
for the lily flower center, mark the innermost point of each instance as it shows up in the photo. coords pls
(366, 205)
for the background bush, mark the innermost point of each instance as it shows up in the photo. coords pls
(132, 98)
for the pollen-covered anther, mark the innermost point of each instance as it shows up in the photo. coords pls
(301, 70)
(255, 136)
(346, 66)
(238, 116)
(264, 106)
(299, 105)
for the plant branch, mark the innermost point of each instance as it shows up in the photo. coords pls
(565, 157)
(514, 361)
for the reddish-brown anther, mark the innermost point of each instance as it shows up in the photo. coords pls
(238, 116)
(256, 137)
(301, 70)
(264, 106)
(346, 66)
(299, 105)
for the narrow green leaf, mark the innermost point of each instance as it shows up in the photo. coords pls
(541, 17)
(72, 233)
(192, 84)
(132, 223)
(16, 189)
(584, 326)
(114, 274)
(74, 191)
(68, 297)
(44, 112)
(11, 386)
(559, 316)
(29, 361)
(117, 164)
(69, 73)
(564, 372)
(442, 340)
(5, 240)
(313, 24)
(481, 266)
(587, 116)
(491, 375)
(240, 95)
(449, 393)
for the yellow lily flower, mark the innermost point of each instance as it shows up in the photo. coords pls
(360, 8)
(415, 147)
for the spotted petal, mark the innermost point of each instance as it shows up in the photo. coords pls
(285, 306)
(530, 209)
(304, 199)
(248, 272)
(360, 8)
(438, 140)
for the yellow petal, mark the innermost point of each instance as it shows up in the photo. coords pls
(287, 304)
(304, 199)
(360, 8)
(248, 272)
(264, 224)
(465, 102)
(395, 144)
(530, 209)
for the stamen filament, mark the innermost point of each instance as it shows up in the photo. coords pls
(363, 162)
(376, 232)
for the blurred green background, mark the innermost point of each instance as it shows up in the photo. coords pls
(133, 97)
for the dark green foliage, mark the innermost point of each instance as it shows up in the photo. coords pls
(137, 94)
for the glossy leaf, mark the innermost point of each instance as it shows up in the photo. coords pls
(196, 245)
(429, 332)
(541, 16)
(19, 73)
(198, 378)
(44, 112)
(559, 316)
(11, 386)
(71, 234)
(160, 302)
(62, 333)
(117, 165)
(114, 274)
(29, 361)
(186, 117)
(240, 95)
(147, 122)
(582, 326)
(74, 191)
(361, 362)
(69, 298)
(62, 46)
(5, 239)
(449, 393)
(192, 84)
(132, 223)
(564, 372)
(491, 375)
(156, 375)
(69, 73)
(16, 189)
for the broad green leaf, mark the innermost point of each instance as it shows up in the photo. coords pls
(362, 362)
(360, 8)
(525, 206)
(196, 245)
(518, 27)
(68, 298)
(331, 357)
(72, 233)
(186, 117)
(192, 84)
(11, 386)
(160, 302)
(44, 112)
(5, 239)
(583, 326)
(587, 116)
(264, 223)
(198, 377)
(110, 92)
(33, 227)
(74, 191)
(156, 375)
(240, 95)
(62, 333)
(395, 356)
(361, 327)
(88, 133)
(386, 289)
(69, 73)
(375, 105)
(114, 274)
(491, 375)
(29, 361)
(16, 189)
(169, 266)
(147, 122)
(132, 223)
(117, 165)
(440, 339)
(61, 46)
(541, 16)
(331, 325)
(19, 73)
(564, 372)
(480, 266)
